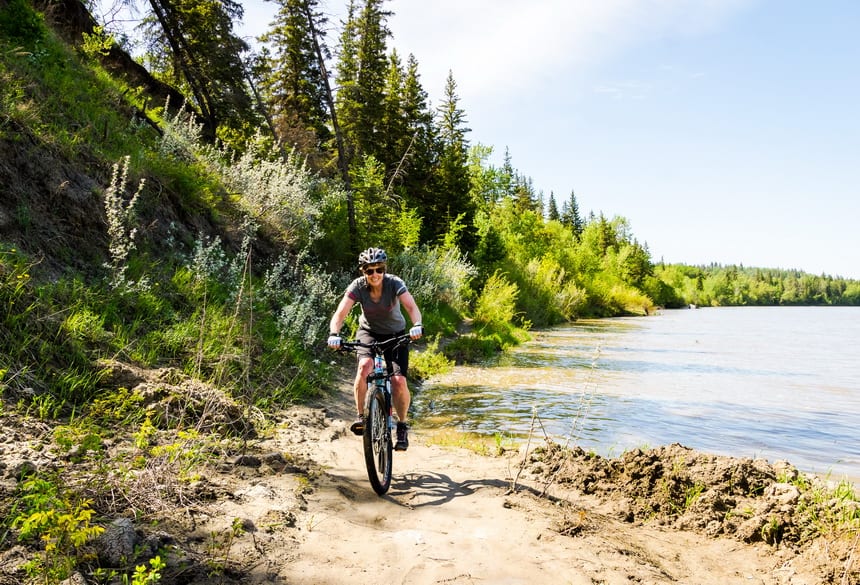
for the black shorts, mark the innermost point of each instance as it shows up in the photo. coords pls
(397, 359)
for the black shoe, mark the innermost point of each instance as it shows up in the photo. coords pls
(402, 437)
(357, 427)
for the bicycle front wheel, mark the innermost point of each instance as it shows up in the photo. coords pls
(377, 441)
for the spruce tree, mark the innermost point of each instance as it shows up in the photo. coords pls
(346, 80)
(571, 217)
(552, 209)
(453, 204)
(294, 85)
(508, 174)
(393, 140)
(361, 76)
(524, 196)
(418, 144)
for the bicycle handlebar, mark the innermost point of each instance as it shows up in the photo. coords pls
(377, 347)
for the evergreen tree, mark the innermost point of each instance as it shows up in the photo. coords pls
(636, 263)
(372, 75)
(571, 217)
(508, 175)
(418, 143)
(552, 209)
(607, 237)
(361, 76)
(295, 84)
(346, 79)
(524, 196)
(393, 140)
(453, 203)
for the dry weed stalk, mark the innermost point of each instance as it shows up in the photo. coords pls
(578, 420)
(535, 419)
(846, 574)
(576, 427)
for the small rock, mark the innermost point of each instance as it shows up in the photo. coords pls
(117, 542)
(246, 461)
(273, 520)
(784, 494)
(75, 579)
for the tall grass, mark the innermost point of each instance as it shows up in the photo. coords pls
(43, 357)
(72, 106)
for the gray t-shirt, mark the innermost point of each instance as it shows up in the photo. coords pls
(383, 316)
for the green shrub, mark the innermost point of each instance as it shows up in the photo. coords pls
(60, 520)
(627, 300)
(471, 349)
(429, 362)
(435, 275)
(310, 296)
(549, 294)
(20, 23)
(79, 440)
(496, 305)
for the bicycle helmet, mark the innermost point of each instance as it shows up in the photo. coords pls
(372, 256)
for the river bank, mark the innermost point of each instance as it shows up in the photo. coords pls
(543, 514)
(295, 507)
(308, 515)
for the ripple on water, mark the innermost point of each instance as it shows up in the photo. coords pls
(731, 382)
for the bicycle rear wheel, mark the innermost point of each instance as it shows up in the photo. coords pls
(377, 441)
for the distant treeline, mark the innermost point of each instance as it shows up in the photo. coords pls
(717, 285)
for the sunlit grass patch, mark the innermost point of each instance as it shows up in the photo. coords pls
(429, 361)
(827, 507)
(487, 445)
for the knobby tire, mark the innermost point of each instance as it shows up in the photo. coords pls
(378, 447)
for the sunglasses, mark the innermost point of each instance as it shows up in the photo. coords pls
(377, 270)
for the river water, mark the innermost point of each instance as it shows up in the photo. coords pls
(772, 382)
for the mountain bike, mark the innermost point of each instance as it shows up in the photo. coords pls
(378, 417)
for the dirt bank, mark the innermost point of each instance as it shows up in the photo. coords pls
(295, 507)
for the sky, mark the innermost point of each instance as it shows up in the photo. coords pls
(724, 131)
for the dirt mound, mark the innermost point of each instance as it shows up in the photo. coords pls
(750, 500)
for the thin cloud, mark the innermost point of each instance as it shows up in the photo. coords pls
(625, 90)
(506, 46)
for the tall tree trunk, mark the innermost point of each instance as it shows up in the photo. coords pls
(262, 106)
(185, 60)
(342, 163)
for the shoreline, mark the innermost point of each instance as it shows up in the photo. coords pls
(294, 506)
(679, 379)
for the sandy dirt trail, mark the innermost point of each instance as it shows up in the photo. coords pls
(451, 517)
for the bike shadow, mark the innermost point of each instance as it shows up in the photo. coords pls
(435, 489)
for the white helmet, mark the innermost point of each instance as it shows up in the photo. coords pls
(372, 256)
